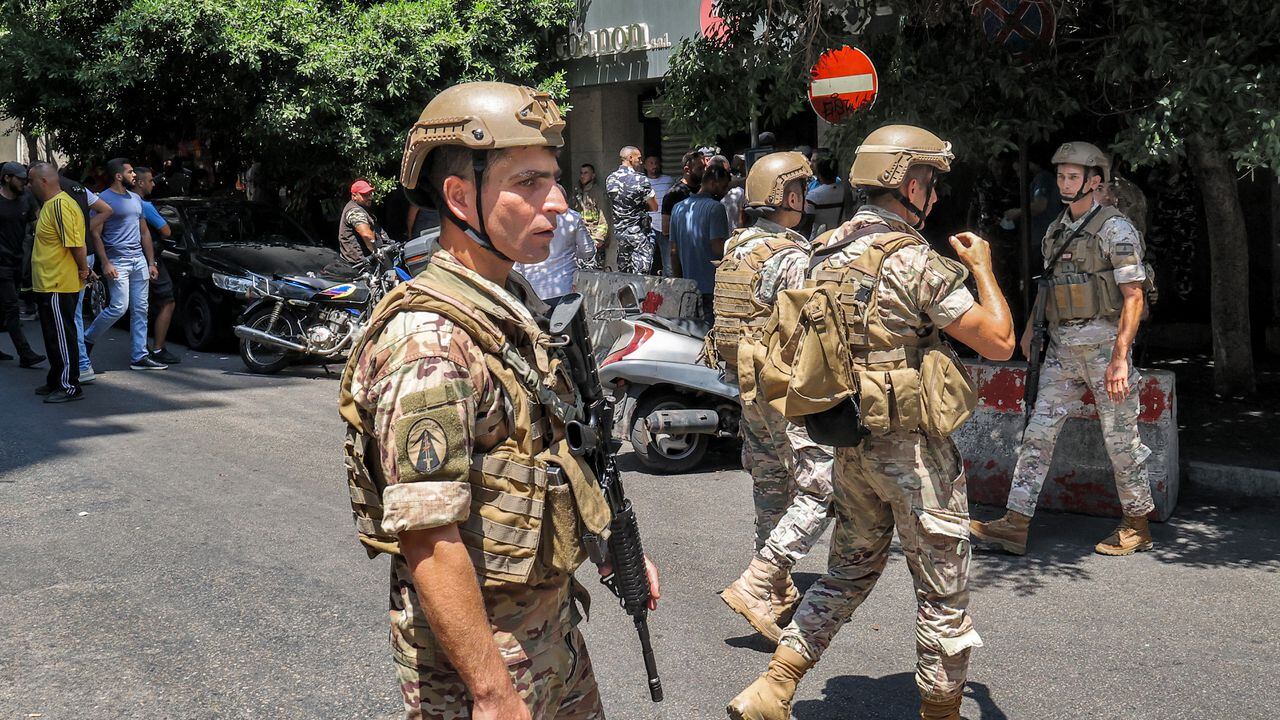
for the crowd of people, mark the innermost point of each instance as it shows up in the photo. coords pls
(57, 238)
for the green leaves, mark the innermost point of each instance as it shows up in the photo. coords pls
(319, 89)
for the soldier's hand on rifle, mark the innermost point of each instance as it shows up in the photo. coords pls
(1118, 378)
(972, 250)
(1025, 346)
(650, 572)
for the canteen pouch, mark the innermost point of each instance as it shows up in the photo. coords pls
(947, 392)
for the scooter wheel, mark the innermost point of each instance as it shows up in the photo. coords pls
(666, 454)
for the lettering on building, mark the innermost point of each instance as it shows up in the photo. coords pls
(583, 43)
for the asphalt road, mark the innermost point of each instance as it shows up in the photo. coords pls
(178, 545)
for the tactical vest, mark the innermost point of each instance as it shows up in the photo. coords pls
(1083, 280)
(739, 315)
(531, 500)
(828, 343)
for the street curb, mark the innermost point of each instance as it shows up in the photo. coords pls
(1232, 480)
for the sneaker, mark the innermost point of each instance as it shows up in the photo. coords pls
(164, 356)
(44, 390)
(30, 361)
(61, 396)
(147, 363)
(87, 376)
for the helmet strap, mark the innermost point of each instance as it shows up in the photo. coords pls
(1082, 193)
(479, 160)
(919, 212)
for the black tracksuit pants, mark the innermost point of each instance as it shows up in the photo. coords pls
(58, 321)
(11, 308)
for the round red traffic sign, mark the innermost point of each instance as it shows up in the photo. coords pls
(843, 81)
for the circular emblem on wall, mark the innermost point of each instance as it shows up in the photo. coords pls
(427, 445)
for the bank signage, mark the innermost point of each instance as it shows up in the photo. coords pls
(583, 43)
(624, 40)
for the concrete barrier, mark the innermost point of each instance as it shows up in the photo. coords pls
(665, 297)
(1080, 477)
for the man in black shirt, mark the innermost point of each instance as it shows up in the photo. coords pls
(695, 162)
(358, 231)
(17, 212)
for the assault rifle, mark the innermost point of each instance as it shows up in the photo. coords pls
(1039, 340)
(591, 439)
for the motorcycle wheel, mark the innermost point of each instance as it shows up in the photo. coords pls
(663, 453)
(265, 359)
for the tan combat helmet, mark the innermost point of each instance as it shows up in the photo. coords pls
(480, 116)
(883, 158)
(767, 181)
(1084, 154)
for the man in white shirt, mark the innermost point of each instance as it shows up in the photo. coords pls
(571, 248)
(660, 184)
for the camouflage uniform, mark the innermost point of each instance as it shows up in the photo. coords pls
(629, 192)
(790, 474)
(586, 200)
(906, 480)
(533, 624)
(1077, 358)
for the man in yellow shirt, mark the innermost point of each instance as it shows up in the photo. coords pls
(59, 270)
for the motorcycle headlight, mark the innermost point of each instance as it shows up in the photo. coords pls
(232, 283)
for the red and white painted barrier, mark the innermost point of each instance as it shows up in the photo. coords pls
(1080, 477)
(664, 297)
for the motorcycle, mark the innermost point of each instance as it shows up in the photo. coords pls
(311, 315)
(671, 403)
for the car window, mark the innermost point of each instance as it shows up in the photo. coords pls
(244, 224)
(177, 232)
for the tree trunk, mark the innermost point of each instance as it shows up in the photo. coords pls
(1229, 265)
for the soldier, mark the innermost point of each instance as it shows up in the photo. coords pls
(791, 474)
(894, 295)
(1094, 260)
(455, 409)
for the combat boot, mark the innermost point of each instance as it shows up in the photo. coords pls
(1131, 536)
(1009, 532)
(769, 697)
(751, 596)
(786, 598)
(941, 709)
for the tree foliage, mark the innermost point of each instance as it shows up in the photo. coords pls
(313, 88)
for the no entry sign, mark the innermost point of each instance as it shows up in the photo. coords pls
(1020, 26)
(843, 81)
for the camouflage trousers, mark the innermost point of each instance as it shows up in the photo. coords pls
(1066, 373)
(556, 684)
(635, 253)
(917, 484)
(790, 483)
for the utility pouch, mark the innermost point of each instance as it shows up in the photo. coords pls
(1074, 298)
(947, 391)
(889, 400)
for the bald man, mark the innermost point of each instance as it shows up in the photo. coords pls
(632, 198)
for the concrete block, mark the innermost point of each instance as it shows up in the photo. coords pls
(1080, 477)
(665, 297)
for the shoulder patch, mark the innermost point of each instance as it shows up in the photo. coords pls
(427, 445)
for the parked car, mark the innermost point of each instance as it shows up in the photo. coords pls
(215, 246)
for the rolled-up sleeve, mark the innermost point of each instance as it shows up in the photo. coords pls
(423, 422)
(944, 296)
(1123, 247)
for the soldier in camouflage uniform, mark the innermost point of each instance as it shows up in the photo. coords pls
(907, 474)
(454, 410)
(587, 199)
(791, 474)
(1096, 305)
(632, 199)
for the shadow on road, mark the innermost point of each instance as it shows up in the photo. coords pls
(893, 696)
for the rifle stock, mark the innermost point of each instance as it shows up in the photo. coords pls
(591, 438)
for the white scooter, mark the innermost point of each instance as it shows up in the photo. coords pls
(669, 402)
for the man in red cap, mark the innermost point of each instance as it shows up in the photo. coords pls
(358, 231)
